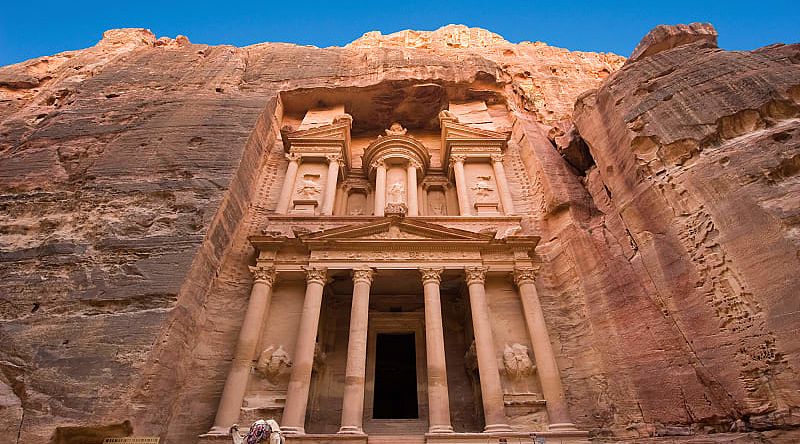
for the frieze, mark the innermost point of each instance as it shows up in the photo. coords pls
(393, 256)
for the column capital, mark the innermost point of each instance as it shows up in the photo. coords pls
(334, 157)
(262, 273)
(293, 157)
(498, 158)
(457, 158)
(363, 274)
(378, 164)
(525, 275)
(318, 275)
(475, 275)
(431, 274)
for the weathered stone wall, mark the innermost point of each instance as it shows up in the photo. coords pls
(131, 174)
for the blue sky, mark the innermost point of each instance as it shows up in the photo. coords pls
(46, 27)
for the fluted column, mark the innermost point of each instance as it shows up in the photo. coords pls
(380, 188)
(235, 385)
(491, 388)
(330, 184)
(294, 413)
(502, 183)
(355, 371)
(438, 395)
(411, 180)
(546, 366)
(288, 183)
(461, 184)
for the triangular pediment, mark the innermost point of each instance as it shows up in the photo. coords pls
(394, 230)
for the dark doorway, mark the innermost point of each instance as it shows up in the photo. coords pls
(395, 377)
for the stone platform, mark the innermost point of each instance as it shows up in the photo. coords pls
(561, 437)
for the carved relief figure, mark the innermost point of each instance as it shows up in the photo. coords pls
(396, 130)
(397, 193)
(437, 203)
(482, 189)
(272, 362)
(309, 188)
(517, 362)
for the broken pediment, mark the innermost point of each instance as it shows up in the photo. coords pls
(465, 139)
(331, 138)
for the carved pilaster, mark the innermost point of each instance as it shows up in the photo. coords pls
(431, 274)
(497, 158)
(316, 275)
(475, 275)
(263, 274)
(363, 275)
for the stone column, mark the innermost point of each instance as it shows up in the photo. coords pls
(502, 184)
(491, 388)
(380, 187)
(330, 184)
(461, 184)
(411, 180)
(294, 413)
(355, 371)
(236, 383)
(288, 183)
(438, 395)
(546, 366)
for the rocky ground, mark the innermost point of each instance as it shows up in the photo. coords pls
(665, 189)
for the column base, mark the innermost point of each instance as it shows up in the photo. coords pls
(561, 427)
(495, 428)
(350, 430)
(440, 429)
(218, 431)
(291, 430)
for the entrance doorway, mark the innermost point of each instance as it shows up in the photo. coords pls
(395, 395)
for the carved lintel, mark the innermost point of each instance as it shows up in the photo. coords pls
(363, 274)
(431, 274)
(475, 275)
(263, 274)
(524, 275)
(318, 275)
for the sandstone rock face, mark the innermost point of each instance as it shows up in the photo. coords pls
(664, 37)
(133, 172)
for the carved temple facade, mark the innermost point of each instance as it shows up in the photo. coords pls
(394, 289)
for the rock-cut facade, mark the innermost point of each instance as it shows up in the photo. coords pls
(421, 237)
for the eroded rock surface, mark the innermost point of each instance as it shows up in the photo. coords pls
(132, 172)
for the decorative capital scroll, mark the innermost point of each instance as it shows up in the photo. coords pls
(317, 275)
(364, 274)
(431, 274)
(334, 157)
(524, 275)
(293, 157)
(497, 158)
(475, 275)
(457, 158)
(263, 274)
(378, 164)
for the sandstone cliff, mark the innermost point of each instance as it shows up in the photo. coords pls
(132, 172)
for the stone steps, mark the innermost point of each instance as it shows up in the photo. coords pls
(396, 439)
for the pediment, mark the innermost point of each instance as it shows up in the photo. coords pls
(337, 132)
(394, 230)
(452, 131)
